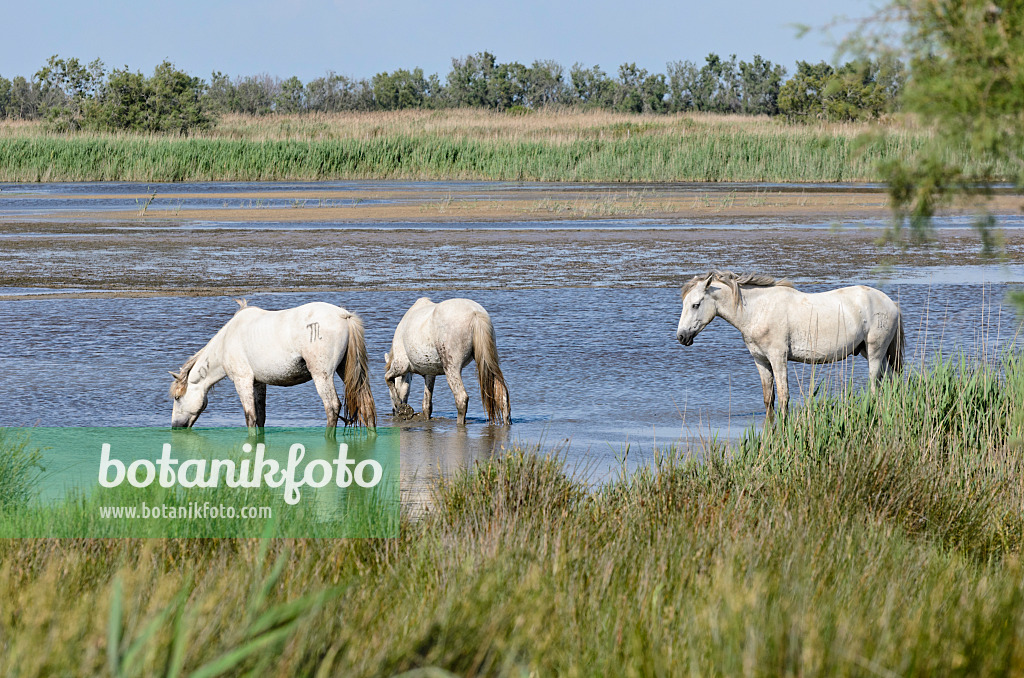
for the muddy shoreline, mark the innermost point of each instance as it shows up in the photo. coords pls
(460, 202)
(87, 261)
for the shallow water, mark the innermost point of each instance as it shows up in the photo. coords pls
(585, 320)
(596, 369)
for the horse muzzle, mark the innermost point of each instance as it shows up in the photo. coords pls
(184, 422)
(685, 339)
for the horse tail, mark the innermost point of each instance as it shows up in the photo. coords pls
(894, 354)
(358, 396)
(493, 390)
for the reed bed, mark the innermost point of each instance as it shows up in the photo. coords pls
(465, 145)
(865, 535)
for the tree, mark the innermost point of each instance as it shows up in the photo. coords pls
(255, 94)
(717, 88)
(591, 87)
(291, 98)
(469, 80)
(507, 86)
(760, 82)
(544, 85)
(5, 97)
(401, 89)
(24, 103)
(682, 82)
(863, 89)
(67, 87)
(176, 101)
(123, 103)
(168, 101)
(802, 97)
(220, 94)
(965, 84)
(333, 93)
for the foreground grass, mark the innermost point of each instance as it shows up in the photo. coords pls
(479, 145)
(865, 536)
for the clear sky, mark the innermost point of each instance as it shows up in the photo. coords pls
(309, 37)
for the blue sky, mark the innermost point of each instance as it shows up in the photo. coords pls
(309, 37)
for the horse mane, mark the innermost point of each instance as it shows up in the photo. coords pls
(735, 281)
(180, 383)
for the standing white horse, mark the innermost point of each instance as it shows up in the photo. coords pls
(780, 323)
(435, 339)
(281, 348)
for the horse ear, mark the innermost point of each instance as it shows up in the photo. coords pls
(242, 303)
(177, 377)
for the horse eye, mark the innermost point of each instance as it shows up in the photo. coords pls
(697, 305)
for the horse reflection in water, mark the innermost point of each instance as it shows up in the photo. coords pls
(435, 449)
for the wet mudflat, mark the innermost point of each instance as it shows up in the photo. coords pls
(94, 313)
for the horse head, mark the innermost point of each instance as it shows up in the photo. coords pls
(699, 308)
(189, 398)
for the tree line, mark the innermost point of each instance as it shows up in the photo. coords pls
(72, 95)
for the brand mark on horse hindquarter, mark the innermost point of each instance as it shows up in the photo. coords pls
(881, 319)
(314, 331)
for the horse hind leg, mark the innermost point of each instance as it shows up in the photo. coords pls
(328, 394)
(454, 378)
(877, 367)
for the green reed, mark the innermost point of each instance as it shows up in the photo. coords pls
(777, 154)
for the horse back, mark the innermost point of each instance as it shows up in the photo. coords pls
(285, 346)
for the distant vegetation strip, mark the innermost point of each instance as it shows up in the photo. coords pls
(736, 156)
(71, 95)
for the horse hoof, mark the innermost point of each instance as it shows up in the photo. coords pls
(405, 412)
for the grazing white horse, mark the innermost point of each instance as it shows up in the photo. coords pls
(281, 348)
(435, 339)
(780, 323)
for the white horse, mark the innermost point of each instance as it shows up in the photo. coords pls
(435, 339)
(780, 323)
(282, 348)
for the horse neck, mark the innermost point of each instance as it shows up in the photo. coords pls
(726, 308)
(736, 314)
(211, 358)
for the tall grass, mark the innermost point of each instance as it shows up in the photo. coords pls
(865, 535)
(19, 471)
(463, 145)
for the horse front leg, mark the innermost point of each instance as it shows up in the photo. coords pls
(246, 387)
(764, 370)
(428, 395)
(780, 371)
(454, 378)
(260, 402)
